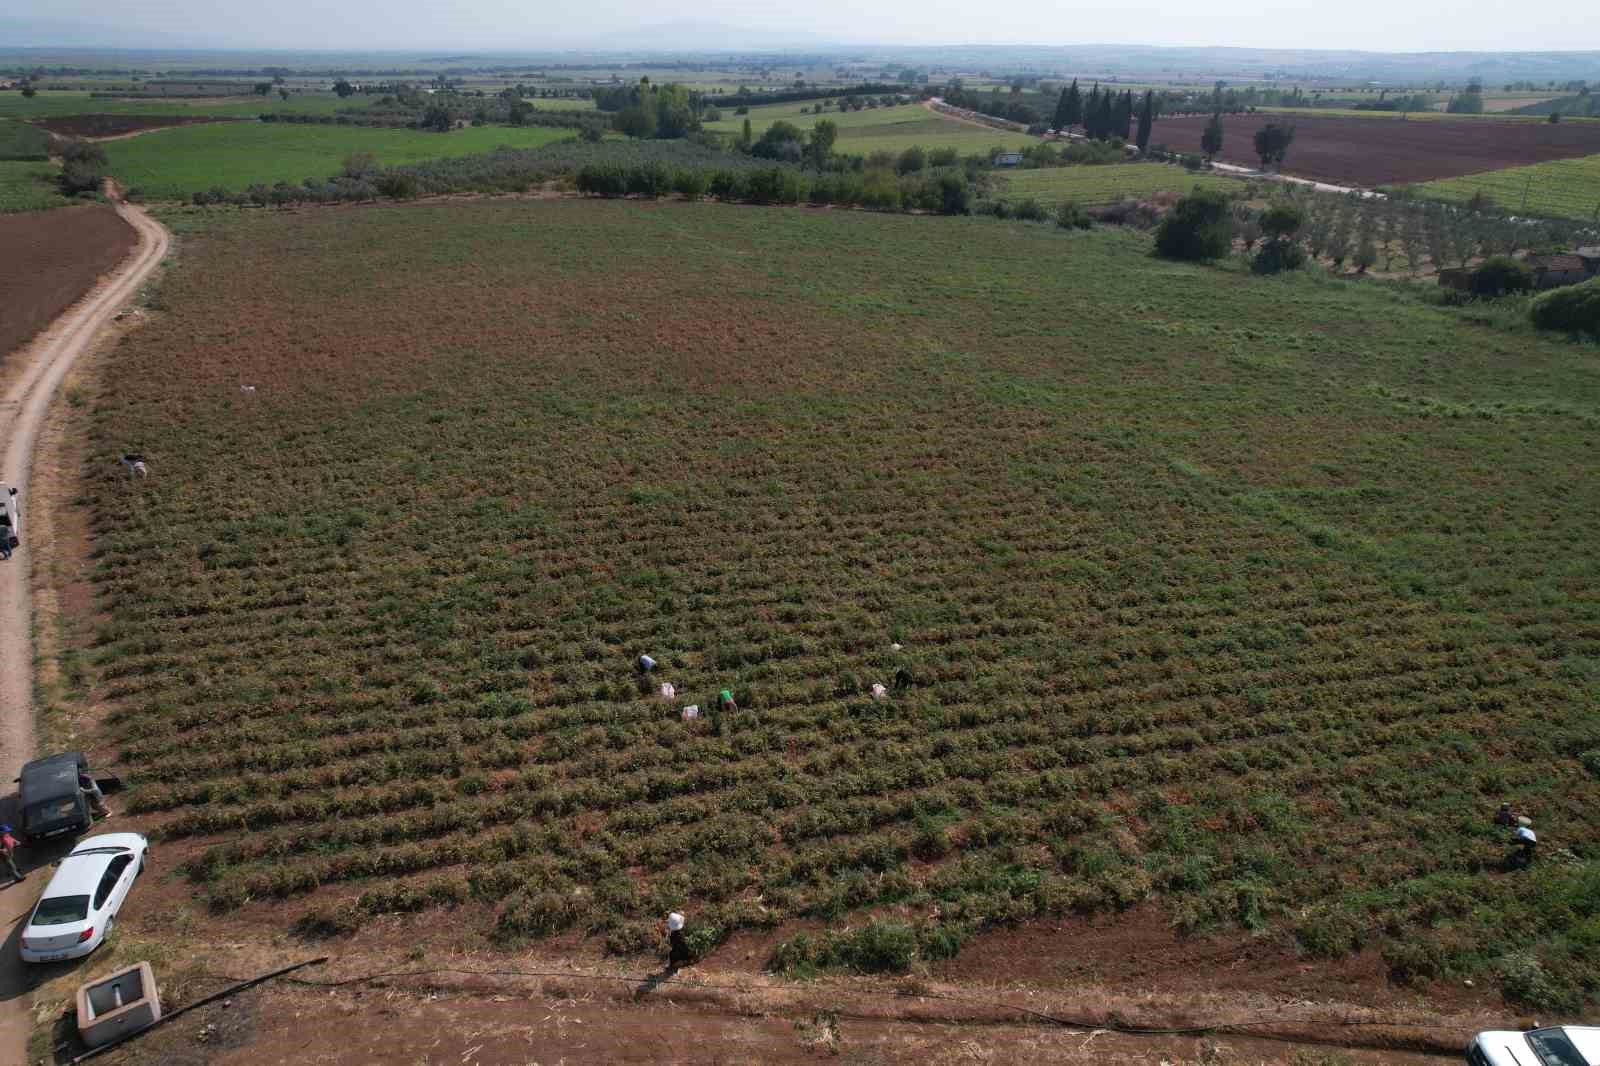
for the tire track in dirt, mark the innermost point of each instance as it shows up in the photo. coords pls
(41, 367)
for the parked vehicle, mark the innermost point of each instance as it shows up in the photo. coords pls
(1556, 1045)
(79, 906)
(49, 797)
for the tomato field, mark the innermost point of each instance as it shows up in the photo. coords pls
(1254, 596)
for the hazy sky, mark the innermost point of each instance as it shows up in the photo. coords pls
(1379, 25)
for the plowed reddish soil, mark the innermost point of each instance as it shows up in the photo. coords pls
(119, 125)
(1376, 151)
(52, 258)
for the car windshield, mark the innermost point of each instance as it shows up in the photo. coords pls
(59, 910)
(1554, 1049)
(100, 851)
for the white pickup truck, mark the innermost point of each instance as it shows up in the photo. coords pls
(1557, 1045)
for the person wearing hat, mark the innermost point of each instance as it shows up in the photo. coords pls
(1527, 842)
(8, 848)
(678, 947)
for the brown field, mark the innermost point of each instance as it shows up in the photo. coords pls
(1376, 151)
(53, 258)
(95, 126)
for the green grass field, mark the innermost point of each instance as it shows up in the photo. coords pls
(18, 140)
(1569, 188)
(28, 186)
(1099, 184)
(57, 104)
(173, 163)
(561, 103)
(1250, 597)
(890, 129)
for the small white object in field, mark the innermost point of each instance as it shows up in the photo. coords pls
(674, 922)
(247, 388)
(646, 664)
(879, 692)
(691, 712)
(1524, 820)
(669, 692)
(894, 647)
(135, 465)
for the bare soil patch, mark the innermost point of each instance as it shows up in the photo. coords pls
(97, 127)
(52, 258)
(1376, 151)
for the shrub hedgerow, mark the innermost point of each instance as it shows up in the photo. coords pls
(1573, 309)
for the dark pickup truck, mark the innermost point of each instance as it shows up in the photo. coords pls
(49, 798)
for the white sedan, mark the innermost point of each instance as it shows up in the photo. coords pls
(79, 905)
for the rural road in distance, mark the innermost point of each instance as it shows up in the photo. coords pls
(22, 413)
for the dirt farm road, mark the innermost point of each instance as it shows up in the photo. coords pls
(43, 365)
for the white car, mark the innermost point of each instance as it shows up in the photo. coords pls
(1557, 1045)
(79, 905)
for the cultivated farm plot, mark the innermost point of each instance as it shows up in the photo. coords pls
(1101, 184)
(891, 129)
(1378, 151)
(59, 104)
(1569, 188)
(174, 163)
(29, 186)
(20, 141)
(1251, 595)
(52, 258)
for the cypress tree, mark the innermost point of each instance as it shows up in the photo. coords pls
(1122, 115)
(1147, 118)
(1091, 113)
(1211, 136)
(1070, 111)
(1106, 119)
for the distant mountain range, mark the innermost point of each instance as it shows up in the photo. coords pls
(688, 38)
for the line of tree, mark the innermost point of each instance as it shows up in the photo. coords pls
(745, 97)
(1011, 108)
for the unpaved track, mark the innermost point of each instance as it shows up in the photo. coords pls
(22, 411)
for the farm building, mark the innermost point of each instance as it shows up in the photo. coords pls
(1550, 271)
(1008, 159)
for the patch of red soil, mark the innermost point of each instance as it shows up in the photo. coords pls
(95, 126)
(52, 258)
(1375, 151)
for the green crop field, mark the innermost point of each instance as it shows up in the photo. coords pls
(173, 163)
(560, 103)
(1099, 184)
(1251, 597)
(883, 128)
(1569, 188)
(18, 140)
(28, 186)
(63, 103)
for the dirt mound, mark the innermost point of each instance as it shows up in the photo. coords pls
(52, 258)
(1376, 151)
(96, 126)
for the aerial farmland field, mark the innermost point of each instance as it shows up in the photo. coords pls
(890, 129)
(1251, 597)
(173, 163)
(1378, 151)
(1569, 188)
(63, 103)
(52, 258)
(28, 186)
(1099, 184)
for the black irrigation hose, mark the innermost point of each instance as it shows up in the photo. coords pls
(1072, 1023)
(238, 986)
